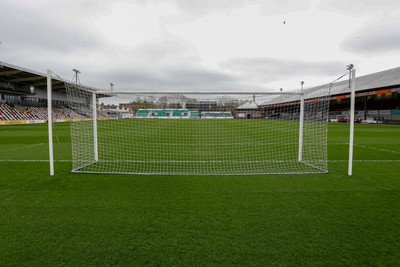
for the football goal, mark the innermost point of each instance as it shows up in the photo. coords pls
(200, 133)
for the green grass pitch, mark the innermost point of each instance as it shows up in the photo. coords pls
(196, 146)
(134, 220)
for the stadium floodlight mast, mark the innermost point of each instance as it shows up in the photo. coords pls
(352, 85)
(76, 76)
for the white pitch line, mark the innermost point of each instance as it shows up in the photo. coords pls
(369, 147)
(31, 160)
(378, 149)
(125, 161)
(367, 161)
(23, 147)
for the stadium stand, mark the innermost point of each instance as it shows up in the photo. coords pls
(194, 115)
(166, 113)
(14, 113)
(23, 97)
(142, 113)
(216, 115)
(182, 114)
(377, 98)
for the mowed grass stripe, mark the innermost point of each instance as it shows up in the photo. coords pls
(298, 220)
(209, 141)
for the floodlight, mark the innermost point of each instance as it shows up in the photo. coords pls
(76, 76)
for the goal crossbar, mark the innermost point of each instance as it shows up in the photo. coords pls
(197, 132)
(285, 134)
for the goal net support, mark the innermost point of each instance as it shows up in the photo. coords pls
(200, 133)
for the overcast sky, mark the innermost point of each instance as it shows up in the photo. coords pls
(201, 44)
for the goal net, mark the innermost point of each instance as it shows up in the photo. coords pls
(198, 133)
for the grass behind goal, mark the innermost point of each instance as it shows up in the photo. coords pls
(198, 132)
(266, 220)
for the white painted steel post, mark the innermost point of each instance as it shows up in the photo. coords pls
(301, 126)
(50, 121)
(95, 142)
(352, 106)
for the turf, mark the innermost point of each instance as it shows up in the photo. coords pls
(87, 219)
(214, 146)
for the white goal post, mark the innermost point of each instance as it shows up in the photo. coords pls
(352, 80)
(201, 133)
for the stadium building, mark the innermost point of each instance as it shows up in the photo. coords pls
(207, 105)
(377, 98)
(249, 110)
(23, 98)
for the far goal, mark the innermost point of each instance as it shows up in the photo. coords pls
(199, 133)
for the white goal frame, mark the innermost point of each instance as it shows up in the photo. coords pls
(95, 119)
(317, 110)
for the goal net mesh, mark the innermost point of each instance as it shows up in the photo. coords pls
(201, 134)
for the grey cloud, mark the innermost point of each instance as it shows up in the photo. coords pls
(271, 69)
(198, 8)
(360, 7)
(379, 35)
(197, 76)
(283, 6)
(165, 50)
(138, 77)
(378, 38)
(34, 30)
(165, 63)
(195, 7)
(57, 38)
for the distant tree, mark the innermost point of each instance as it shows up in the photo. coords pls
(228, 104)
(143, 104)
(174, 105)
(192, 104)
(163, 102)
